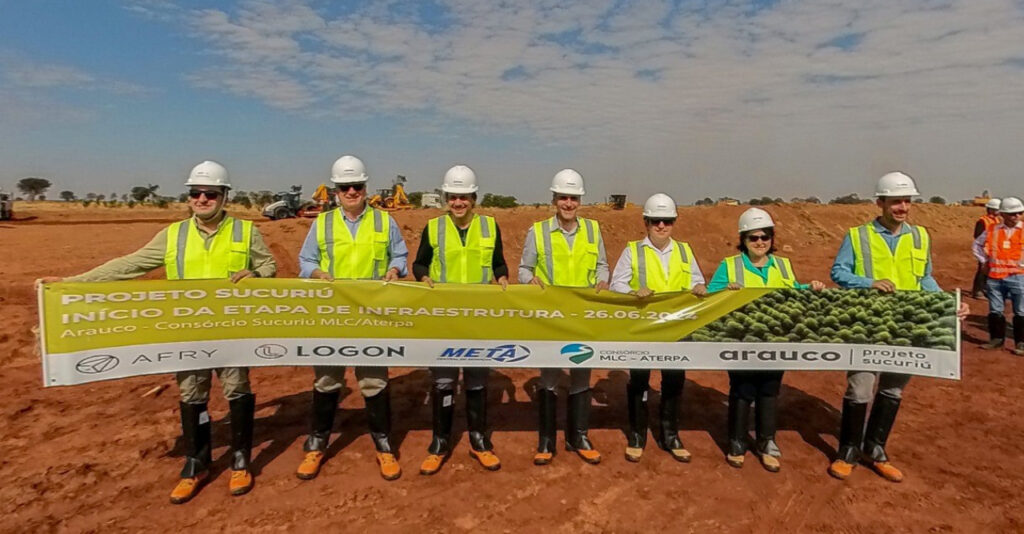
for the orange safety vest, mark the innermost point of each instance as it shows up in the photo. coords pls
(990, 222)
(1004, 252)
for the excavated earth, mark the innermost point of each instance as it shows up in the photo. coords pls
(101, 458)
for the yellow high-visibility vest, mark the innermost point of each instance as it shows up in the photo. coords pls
(561, 265)
(648, 272)
(364, 257)
(905, 267)
(188, 258)
(454, 262)
(780, 274)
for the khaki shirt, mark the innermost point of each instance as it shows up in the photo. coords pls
(151, 257)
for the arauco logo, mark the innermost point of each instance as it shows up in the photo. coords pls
(577, 352)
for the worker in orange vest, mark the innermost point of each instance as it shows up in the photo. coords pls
(1002, 251)
(985, 223)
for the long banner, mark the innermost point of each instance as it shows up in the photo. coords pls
(108, 330)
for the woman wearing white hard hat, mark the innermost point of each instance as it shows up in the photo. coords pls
(755, 266)
(460, 247)
(657, 263)
(568, 251)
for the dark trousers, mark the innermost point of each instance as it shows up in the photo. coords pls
(671, 380)
(752, 385)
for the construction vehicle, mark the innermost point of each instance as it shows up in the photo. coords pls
(617, 202)
(392, 199)
(6, 206)
(981, 200)
(288, 204)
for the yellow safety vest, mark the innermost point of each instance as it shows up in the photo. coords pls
(188, 258)
(454, 262)
(780, 274)
(364, 257)
(574, 266)
(904, 267)
(648, 272)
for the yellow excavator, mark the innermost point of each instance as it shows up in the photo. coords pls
(392, 199)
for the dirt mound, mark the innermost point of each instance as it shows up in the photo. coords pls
(98, 457)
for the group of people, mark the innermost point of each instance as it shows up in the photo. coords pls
(999, 249)
(462, 246)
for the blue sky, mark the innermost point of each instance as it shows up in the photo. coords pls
(714, 98)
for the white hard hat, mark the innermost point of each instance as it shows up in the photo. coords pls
(348, 170)
(1011, 205)
(755, 219)
(209, 173)
(993, 204)
(896, 184)
(660, 206)
(567, 182)
(460, 180)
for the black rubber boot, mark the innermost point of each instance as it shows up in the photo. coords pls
(242, 412)
(578, 424)
(378, 417)
(739, 412)
(668, 419)
(546, 428)
(979, 282)
(325, 405)
(442, 402)
(996, 331)
(476, 419)
(765, 421)
(883, 415)
(195, 430)
(636, 398)
(851, 431)
(1018, 335)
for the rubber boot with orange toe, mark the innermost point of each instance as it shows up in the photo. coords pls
(668, 411)
(242, 412)
(739, 413)
(765, 418)
(636, 436)
(883, 416)
(546, 430)
(195, 432)
(851, 434)
(378, 414)
(321, 422)
(576, 427)
(476, 420)
(442, 402)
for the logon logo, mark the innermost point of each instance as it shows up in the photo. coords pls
(577, 352)
(271, 351)
(94, 365)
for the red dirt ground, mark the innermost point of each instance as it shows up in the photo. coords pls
(98, 458)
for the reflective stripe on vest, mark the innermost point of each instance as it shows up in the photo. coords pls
(574, 266)
(990, 222)
(363, 257)
(1004, 252)
(454, 262)
(780, 274)
(904, 267)
(648, 270)
(187, 256)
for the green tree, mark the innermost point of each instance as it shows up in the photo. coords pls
(141, 193)
(937, 200)
(498, 201)
(33, 186)
(67, 196)
(242, 199)
(416, 198)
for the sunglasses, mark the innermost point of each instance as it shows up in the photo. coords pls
(666, 222)
(759, 237)
(210, 195)
(344, 188)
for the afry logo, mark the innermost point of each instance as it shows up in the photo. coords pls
(94, 365)
(578, 352)
(500, 353)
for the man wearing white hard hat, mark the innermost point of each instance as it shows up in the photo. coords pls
(352, 242)
(755, 266)
(1001, 250)
(657, 263)
(565, 250)
(888, 254)
(203, 246)
(460, 247)
(985, 223)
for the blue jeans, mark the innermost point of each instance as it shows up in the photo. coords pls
(998, 290)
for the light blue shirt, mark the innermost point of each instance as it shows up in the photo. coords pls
(720, 280)
(842, 268)
(309, 256)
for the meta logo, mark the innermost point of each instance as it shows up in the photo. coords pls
(577, 352)
(270, 351)
(94, 365)
(501, 353)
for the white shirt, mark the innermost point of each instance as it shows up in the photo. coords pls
(623, 272)
(979, 244)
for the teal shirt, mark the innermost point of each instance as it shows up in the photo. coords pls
(720, 280)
